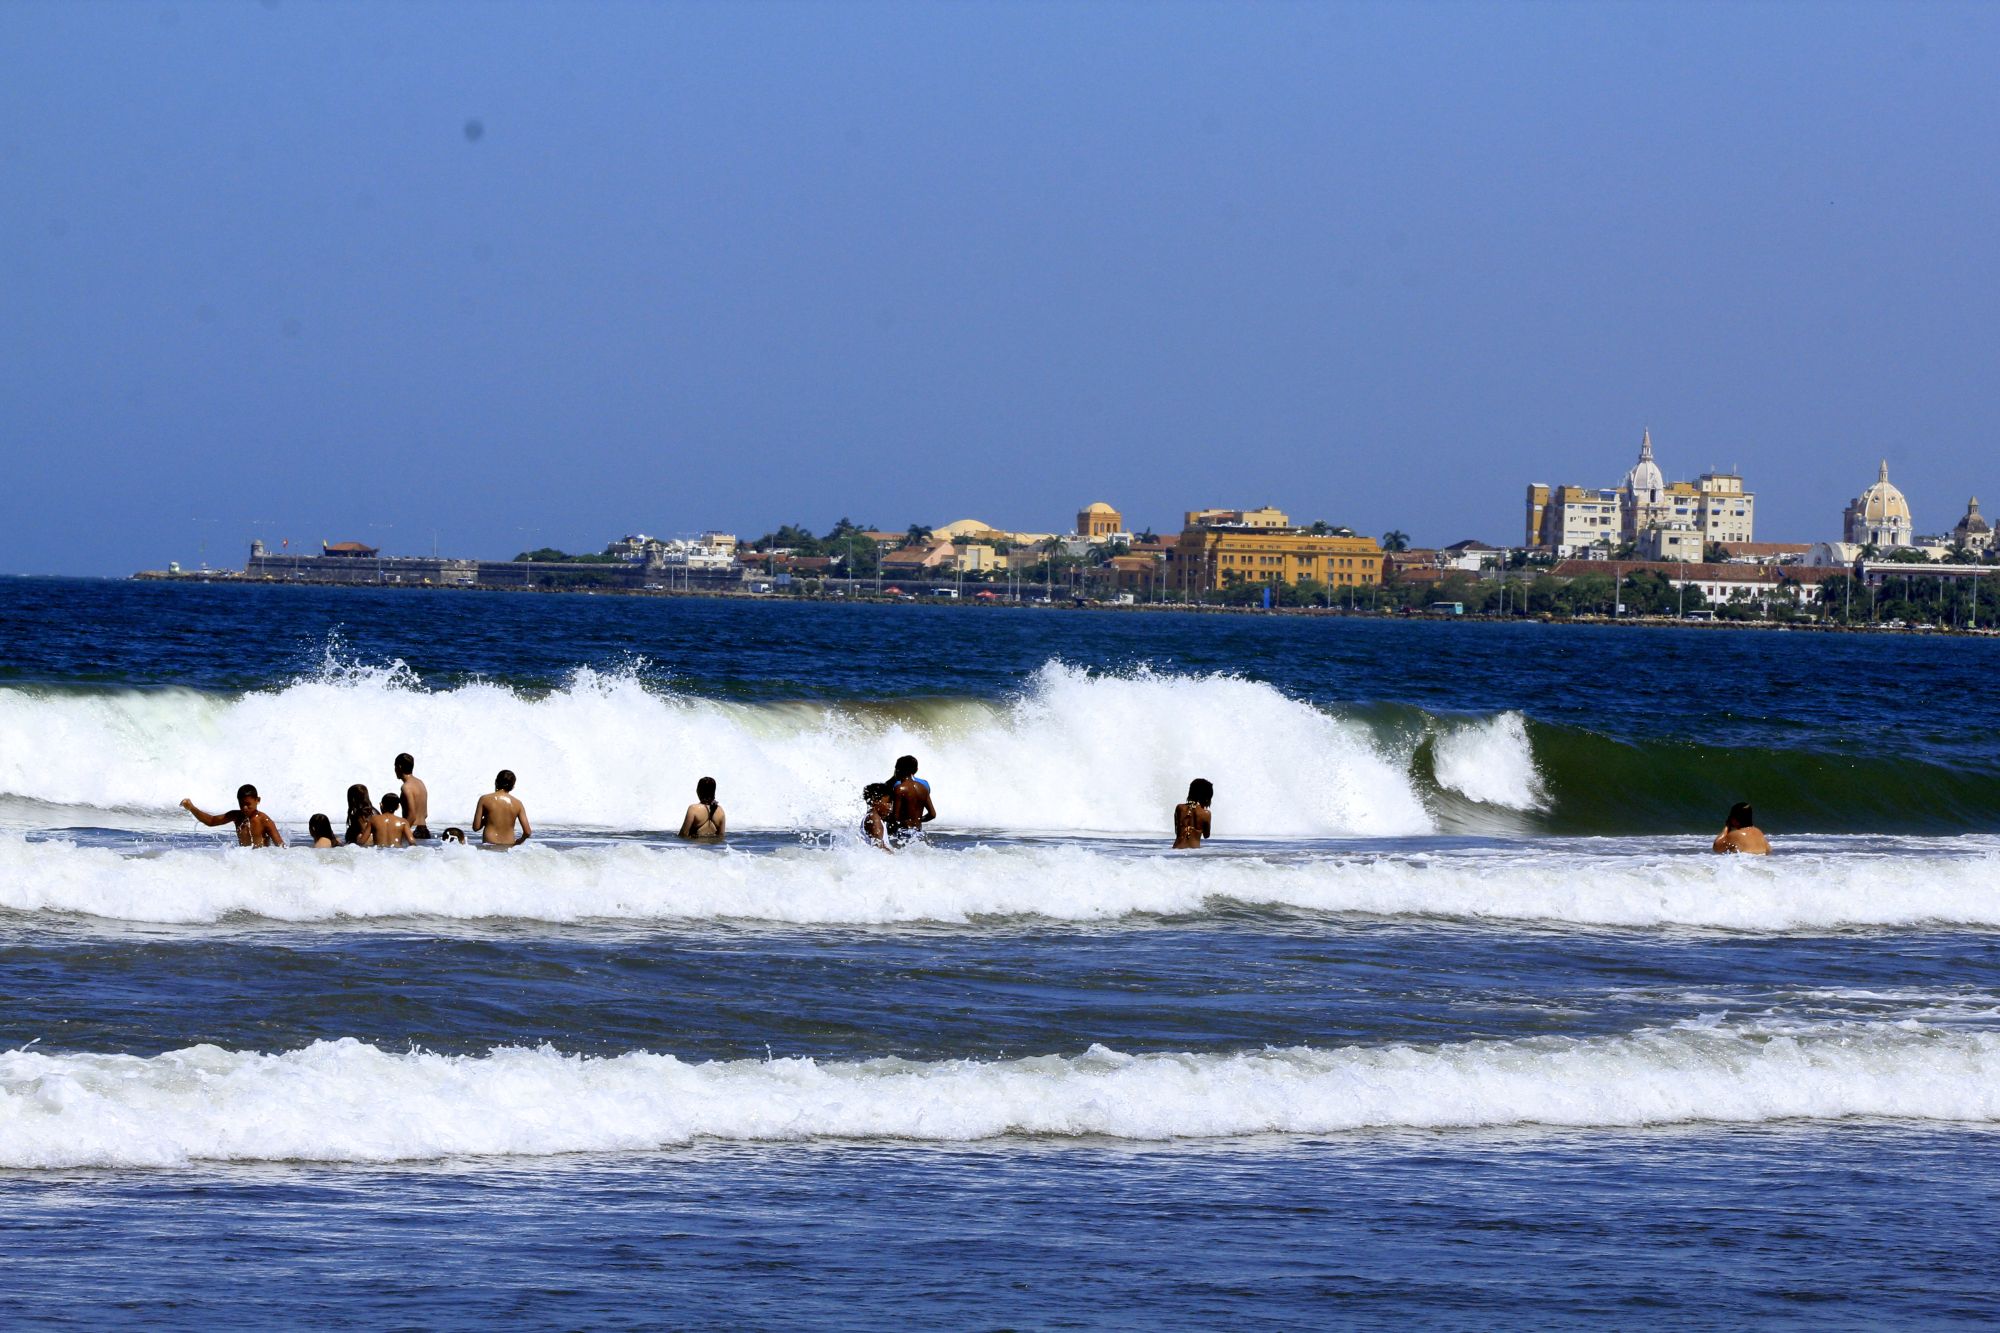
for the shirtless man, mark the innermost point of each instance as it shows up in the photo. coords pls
(910, 805)
(704, 820)
(254, 828)
(389, 829)
(1191, 817)
(416, 798)
(499, 810)
(1741, 834)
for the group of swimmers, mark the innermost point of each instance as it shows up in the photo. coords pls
(897, 811)
(400, 819)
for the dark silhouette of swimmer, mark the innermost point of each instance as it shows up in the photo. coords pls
(1191, 817)
(254, 828)
(910, 804)
(875, 825)
(1741, 834)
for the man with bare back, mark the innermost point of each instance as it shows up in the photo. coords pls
(389, 829)
(416, 798)
(499, 811)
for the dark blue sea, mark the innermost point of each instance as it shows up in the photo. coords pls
(1455, 1023)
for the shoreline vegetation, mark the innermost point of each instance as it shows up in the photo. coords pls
(1030, 599)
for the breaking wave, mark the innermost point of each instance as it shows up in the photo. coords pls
(347, 1101)
(850, 884)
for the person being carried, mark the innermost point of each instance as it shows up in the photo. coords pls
(875, 824)
(254, 828)
(910, 804)
(416, 797)
(1741, 834)
(704, 820)
(389, 829)
(1191, 817)
(321, 829)
(499, 811)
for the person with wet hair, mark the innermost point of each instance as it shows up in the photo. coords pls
(321, 829)
(879, 799)
(1740, 833)
(254, 828)
(360, 810)
(498, 812)
(1191, 817)
(389, 829)
(910, 804)
(704, 820)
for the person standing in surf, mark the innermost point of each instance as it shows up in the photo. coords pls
(389, 829)
(875, 824)
(499, 811)
(1740, 833)
(910, 804)
(704, 820)
(254, 828)
(416, 797)
(1191, 817)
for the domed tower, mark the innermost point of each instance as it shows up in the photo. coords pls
(1879, 516)
(1099, 520)
(1973, 532)
(1643, 497)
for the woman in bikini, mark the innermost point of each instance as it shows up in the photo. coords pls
(1191, 816)
(704, 820)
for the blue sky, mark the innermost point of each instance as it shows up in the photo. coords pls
(736, 265)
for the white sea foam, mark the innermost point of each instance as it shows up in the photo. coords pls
(849, 884)
(1074, 751)
(1491, 761)
(348, 1101)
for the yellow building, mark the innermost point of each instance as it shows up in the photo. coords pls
(1098, 521)
(1209, 559)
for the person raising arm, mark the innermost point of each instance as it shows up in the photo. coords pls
(254, 828)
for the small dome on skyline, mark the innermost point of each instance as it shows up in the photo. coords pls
(1645, 478)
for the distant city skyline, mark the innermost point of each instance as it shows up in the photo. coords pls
(506, 277)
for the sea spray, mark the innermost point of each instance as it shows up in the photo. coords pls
(1071, 751)
(352, 1102)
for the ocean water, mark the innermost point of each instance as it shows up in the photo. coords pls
(1455, 1023)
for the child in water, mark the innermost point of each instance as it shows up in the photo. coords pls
(321, 829)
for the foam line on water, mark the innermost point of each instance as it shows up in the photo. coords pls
(850, 884)
(1072, 751)
(348, 1101)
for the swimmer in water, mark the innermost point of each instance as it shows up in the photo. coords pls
(499, 811)
(1191, 817)
(1740, 833)
(875, 825)
(360, 809)
(416, 798)
(321, 829)
(389, 829)
(454, 834)
(910, 804)
(254, 828)
(704, 820)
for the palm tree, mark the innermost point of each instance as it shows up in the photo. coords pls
(1395, 539)
(917, 535)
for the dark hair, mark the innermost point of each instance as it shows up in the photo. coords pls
(320, 827)
(906, 766)
(359, 808)
(1741, 816)
(246, 792)
(704, 790)
(405, 765)
(504, 780)
(454, 835)
(874, 791)
(1201, 791)
(390, 803)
